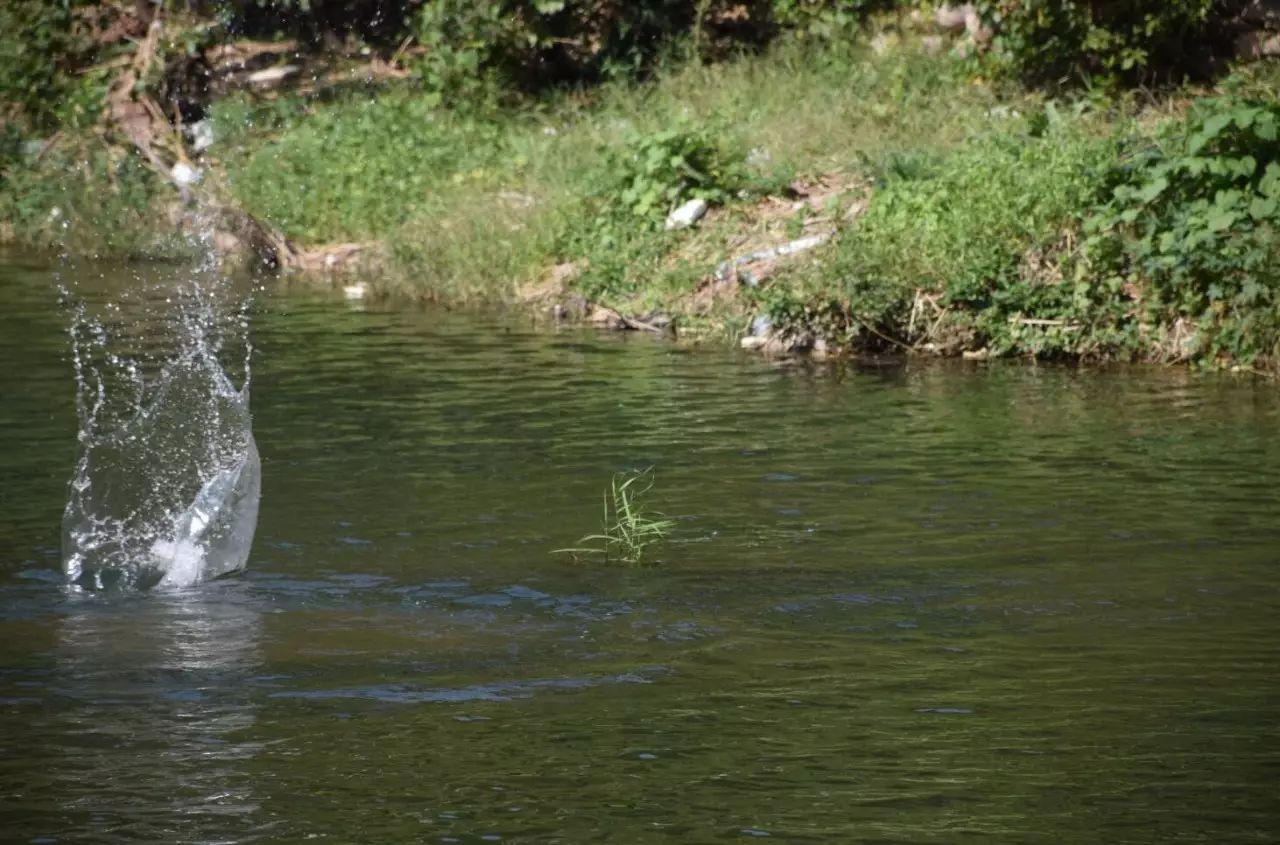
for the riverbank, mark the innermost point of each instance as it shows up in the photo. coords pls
(872, 196)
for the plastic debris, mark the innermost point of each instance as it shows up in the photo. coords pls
(272, 75)
(201, 134)
(184, 174)
(686, 215)
(727, 269)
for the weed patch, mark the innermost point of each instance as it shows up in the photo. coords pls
(360, 168)
(627, 528)
(957, 229)
(80, 195)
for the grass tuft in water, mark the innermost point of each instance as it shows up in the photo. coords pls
(627, 529)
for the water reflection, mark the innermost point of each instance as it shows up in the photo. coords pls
(149, 697)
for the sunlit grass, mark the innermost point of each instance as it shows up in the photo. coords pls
(627, 528)
(472, 205)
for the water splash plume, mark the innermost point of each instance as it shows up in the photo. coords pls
(165, 491)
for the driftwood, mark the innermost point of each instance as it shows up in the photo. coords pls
(136, 115)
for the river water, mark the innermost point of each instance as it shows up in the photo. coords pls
(909, 603)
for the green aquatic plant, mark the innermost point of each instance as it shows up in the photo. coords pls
(627, 529)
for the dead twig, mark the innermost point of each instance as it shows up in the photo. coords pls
(639, 325)
(883, 336)
(1033, 321)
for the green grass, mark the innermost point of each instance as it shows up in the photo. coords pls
(473, 204)
(959, 247)
(358, 169)
(627, 529)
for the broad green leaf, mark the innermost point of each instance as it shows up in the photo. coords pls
(1227, 199)
(1152, 189)
(1216, 123)
(1244, 117)
(1263, 209)
(1265, 126)
(1270, 184)
(1197, 142)
(1220, 221)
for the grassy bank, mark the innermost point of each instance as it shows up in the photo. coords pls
(474, 205)
(934, 210)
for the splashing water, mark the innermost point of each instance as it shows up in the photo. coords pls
(165, 491)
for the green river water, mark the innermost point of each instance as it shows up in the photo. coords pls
(910, 603)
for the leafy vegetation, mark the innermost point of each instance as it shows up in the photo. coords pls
(643, 178)
(659, 170)
(360, 168)
(1191, 230)
(1072, 237)
(627, 528)
(533, 43)
(826, 19)
(86, 197)
(1104, 42)
(944, 254)
(43, 46)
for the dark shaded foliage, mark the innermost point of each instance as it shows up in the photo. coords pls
(1109, 41)
(376, 21)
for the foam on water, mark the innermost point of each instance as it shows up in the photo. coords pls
(165, 491)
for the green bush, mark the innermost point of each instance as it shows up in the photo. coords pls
(1056, 242)
(532, 43)
(1102, 41)
(1191, 229)
(40, 47)
(657, 171)
(636, 186)
(85, 197)
(472, 48)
